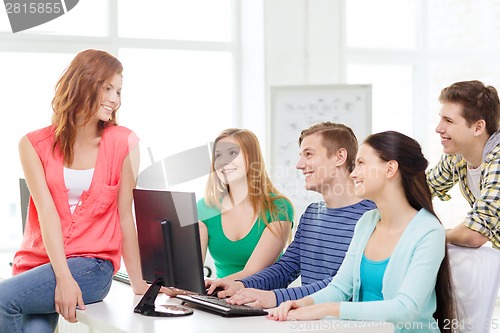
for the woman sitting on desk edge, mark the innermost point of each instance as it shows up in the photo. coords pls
(80, 171)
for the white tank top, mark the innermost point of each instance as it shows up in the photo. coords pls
(473, 180)
(76, 182)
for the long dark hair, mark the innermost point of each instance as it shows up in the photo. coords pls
(406, 151)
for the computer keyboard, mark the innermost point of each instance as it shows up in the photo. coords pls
(122, 277)
(220, 306)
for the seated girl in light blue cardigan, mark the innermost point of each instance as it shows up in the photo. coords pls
(396, 269)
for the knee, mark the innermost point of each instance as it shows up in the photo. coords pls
(7, 295)
(4, 292)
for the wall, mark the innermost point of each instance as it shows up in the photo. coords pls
(303, 39)
(300, 43)
(303, 45)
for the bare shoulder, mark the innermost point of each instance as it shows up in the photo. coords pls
(25, 145)
(24, 140)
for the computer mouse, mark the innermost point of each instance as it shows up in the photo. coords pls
(216, 290)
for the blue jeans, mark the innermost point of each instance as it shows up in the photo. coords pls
(27, 299)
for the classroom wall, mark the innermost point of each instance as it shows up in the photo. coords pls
(303, 40)
(302, 45)
(298, 42)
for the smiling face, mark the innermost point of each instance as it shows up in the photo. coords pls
(111, 98)
(229, 161)
(369, 173)
(456, 135)
(319, 169)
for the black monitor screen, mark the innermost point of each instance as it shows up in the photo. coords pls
(169, 239)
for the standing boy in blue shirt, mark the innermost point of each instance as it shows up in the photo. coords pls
(327, 154)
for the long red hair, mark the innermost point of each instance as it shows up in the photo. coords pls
(78, 97)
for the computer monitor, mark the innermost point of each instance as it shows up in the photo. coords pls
(169, 245)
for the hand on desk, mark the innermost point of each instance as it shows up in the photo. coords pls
(140, 288)
(262, 299)
(226, 287)
(303, 309)
(172, 292)
(143, 286)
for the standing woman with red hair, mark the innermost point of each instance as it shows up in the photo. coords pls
(80, 171)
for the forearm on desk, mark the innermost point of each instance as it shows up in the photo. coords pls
(463, 236)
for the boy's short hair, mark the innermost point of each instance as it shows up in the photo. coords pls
(335, 136)
(478, 101)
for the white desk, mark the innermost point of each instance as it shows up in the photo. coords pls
(116, 315)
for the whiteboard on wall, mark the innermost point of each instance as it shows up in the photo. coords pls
(294, 108)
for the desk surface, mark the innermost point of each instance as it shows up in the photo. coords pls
(116, 315)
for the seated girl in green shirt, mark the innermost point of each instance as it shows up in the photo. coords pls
(246, 222)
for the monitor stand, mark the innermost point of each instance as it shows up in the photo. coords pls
(146, 306)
